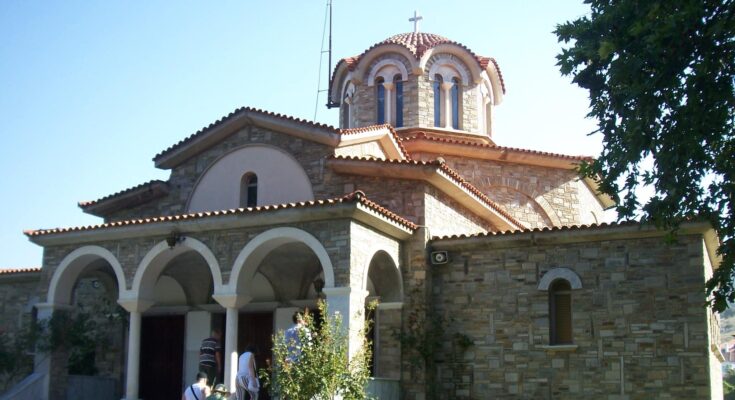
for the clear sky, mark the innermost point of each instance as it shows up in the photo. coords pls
(90, 91)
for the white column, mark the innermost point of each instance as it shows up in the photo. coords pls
(447, 88)
(232, 304)
(350, 304)
(136, 308)
(389, 102)
(42, 360)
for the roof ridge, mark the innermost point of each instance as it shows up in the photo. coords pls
(19, 270)
(370, 128)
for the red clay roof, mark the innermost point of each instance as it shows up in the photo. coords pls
(11, 271)
(420, 135)
(233, 114)
(417, 44)
(162, 186)
(399, 141)
(454, 175)
(356, 197)
(547, 229)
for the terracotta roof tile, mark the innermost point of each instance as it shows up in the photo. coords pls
(418, 43)
(370, 128)
(451, 173)
(233, 114)
(356, 196)
(424, 136)
(601, 225)
(86, 204)
(11, 271)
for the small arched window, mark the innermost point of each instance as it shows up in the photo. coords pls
(438, 100)
(346, 111)
(398, 84)
(249, 190)
(456, 90)
(560, 313)
(380, 100)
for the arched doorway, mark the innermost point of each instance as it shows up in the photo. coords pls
(384, 286)
(178, 280)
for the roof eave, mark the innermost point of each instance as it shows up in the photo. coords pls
(142, 195)
(171, 158)
(350, 210)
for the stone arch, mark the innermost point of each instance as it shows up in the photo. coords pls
(366, 59)
(398, 277)
(462, 59)
(445, 65)
(66, 274)
(387, 64)
(529, 192)
(575, 282)
(157, 258)
(248, 260)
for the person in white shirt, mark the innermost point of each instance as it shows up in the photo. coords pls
(197, 391)
(247, 383)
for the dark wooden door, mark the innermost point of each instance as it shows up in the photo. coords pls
(161, 357)
(257, 329)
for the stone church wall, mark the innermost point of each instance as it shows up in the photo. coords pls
(538, 196)
(639, 325)
(183, 179)
(446, 217)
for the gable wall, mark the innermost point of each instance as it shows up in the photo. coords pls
(638, 319)
(184, 177)
(538, 196)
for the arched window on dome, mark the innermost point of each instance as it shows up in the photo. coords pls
(346, 104)
(456, 103)
(380, 100)
(249, 190)
(398, 92)
(438, 100)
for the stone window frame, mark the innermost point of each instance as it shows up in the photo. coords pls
(546, 284)
(383, 76)
(452, 76)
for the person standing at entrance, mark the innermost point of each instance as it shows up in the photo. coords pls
(210, 356)
(198, 390)
(247, 375)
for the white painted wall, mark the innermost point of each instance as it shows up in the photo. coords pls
(197, 329)
(281, 179)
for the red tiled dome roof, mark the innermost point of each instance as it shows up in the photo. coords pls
(418, 43)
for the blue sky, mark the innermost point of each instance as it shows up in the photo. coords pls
(91, 91)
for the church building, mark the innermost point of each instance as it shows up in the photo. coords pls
(494, 273)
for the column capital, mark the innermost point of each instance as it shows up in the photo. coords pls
(135, 305)
(447, 85)
(231, 300)
(388, 85)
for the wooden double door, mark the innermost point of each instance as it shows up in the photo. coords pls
(162, 351)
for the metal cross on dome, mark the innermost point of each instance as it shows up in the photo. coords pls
(416, 18)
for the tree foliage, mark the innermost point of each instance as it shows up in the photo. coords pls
(322, 370)
(660, 81)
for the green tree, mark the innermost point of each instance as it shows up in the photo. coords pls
(660, 81)
(321, 370)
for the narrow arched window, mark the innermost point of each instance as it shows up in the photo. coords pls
(346, 112)
(398, 84)
(456, 104)
(560, 312)
(380, 100)
(438, 100)
(249, 190)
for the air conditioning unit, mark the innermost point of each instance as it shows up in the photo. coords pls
(439, 257)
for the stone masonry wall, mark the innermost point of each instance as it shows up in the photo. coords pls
(538, 196)
(639, 323)
(444, 216)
